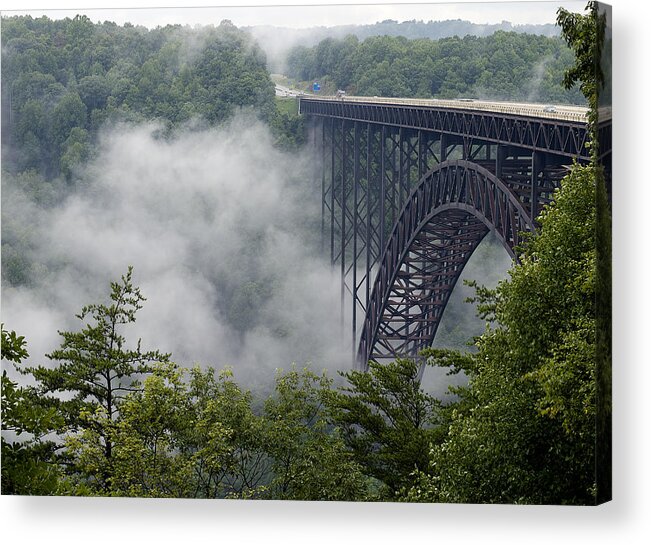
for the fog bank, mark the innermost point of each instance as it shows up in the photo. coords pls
(219, 226)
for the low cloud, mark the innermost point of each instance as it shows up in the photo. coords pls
(221, 230)
(537, 77)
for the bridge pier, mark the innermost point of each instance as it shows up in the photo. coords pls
(537, 165)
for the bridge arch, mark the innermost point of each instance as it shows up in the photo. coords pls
(447, 215)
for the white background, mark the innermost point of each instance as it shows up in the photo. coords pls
(297, 13)
(625, 520)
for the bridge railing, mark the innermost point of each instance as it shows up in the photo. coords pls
(577, 114)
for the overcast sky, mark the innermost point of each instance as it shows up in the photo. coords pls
(294, 13)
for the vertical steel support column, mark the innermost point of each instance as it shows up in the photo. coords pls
(343, 220)
(466, 152)
(355, 220)
(426, 140)
(321, 123)
(382, 187)
(422, 155)
(333, 145)
(537, 162)
(444, 146)
(391, 179)
(401, 169)
(369, 237)
(500, 157)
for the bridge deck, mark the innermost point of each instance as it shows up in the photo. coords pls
(556, 130)
(575, 114)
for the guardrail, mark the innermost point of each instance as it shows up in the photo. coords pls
(565, 113)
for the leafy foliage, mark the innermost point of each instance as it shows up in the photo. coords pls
(387, 421)
(27, 456)
(178, 433)
(95, 369)
(585, 35)
(523, 429)
(62, 80)
(310, 461)
(504, 65)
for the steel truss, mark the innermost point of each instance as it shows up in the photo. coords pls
(447, 215)
(407, 196)
(553, 136)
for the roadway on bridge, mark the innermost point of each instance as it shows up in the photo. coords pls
(548, 111)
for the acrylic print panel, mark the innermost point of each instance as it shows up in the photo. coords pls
(351, 253)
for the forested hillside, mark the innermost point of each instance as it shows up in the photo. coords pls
(433, 30)
(63, 79)
(502, 66)
(277, 49)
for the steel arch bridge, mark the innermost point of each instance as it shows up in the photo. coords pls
(409, 188)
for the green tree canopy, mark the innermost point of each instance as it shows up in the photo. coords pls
(95, 369)
(28, 456)
(387, 421)
(501, 66)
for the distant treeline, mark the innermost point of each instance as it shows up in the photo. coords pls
(435, 30)
(278, 40)
(63, 79)
(502, 66)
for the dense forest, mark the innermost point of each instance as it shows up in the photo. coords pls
(433, 30)
(277, 49)
(109, 415)
(63, 81)
(502, 66)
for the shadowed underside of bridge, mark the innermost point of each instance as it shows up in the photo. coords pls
(407, 196)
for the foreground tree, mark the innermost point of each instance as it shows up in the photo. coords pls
(177, 433)
(523, 430)
(95, 370)
(387, 421)
(309, 459)
(586, 35)
(28, 458)
(184, 435)
(195, 435)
